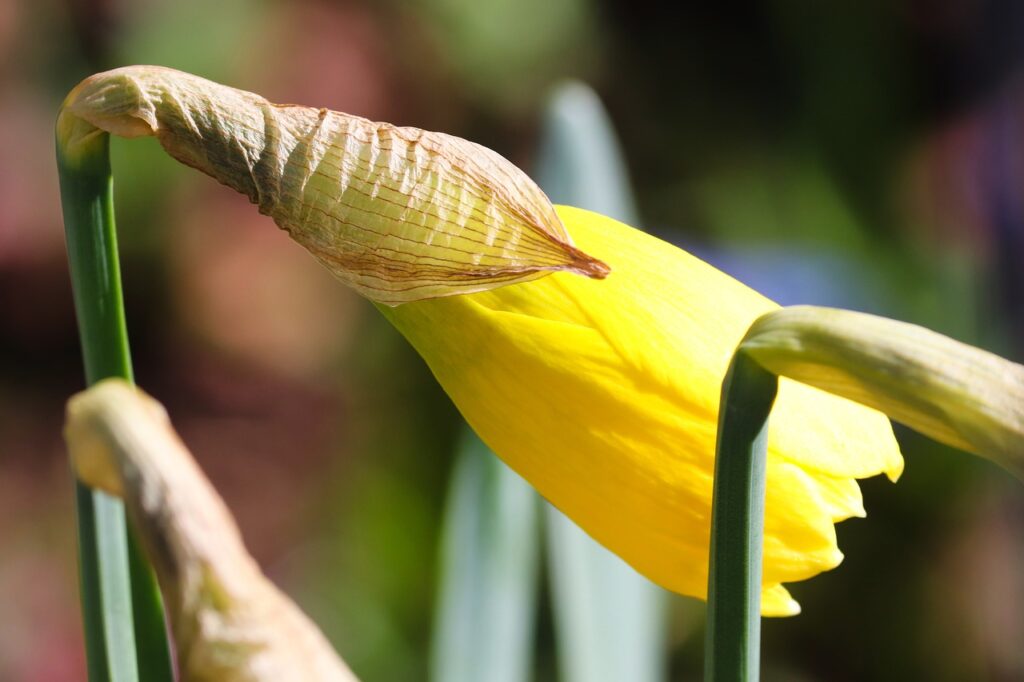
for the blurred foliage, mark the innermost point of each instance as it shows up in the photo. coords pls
(489, 569)
(505, 53)
(865, 154)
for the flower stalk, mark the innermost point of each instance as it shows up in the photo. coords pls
(953, 393)
(121, 607)
(732, 644)
(949, 391)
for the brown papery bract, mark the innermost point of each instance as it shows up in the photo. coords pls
(230, 623)
(399, 214)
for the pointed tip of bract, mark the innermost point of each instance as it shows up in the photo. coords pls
(562, 254)
(579, 262)
(587, 265)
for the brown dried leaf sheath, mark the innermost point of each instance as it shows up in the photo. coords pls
(231, 624)
(400, 214)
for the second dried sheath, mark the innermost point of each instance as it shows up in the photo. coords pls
(400, 214)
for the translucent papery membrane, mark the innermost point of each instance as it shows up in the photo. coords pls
(399, 214)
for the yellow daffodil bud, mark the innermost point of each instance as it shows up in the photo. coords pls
(954, 393)
(604, 395)
(399, 214)
(230, 623)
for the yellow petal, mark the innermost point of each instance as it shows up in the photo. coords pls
(828, 447)
(604, 395)
(775, 601)
(841, 496)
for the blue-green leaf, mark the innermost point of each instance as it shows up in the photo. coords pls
(484, 622)
(610, 621)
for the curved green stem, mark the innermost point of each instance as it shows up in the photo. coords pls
(732, 643)
(125, 634)
(954, 393)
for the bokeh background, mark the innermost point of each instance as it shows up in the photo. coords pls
(866, 154)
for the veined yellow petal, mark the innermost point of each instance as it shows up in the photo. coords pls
(827, 447)
(775, 601)
(841, 496)
(604, 395)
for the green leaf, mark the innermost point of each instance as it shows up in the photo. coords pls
(610, 621)
(484, 622)
(580, 163)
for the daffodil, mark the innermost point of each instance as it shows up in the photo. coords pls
(602, 392)
(604, 395)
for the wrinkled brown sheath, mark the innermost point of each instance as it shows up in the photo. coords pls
(399, 214)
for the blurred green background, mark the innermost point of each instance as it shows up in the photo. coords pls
(869, 155)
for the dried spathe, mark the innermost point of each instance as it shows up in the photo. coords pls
(399, 214)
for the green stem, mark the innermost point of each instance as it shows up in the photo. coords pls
(125, 635)
(732, 644)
